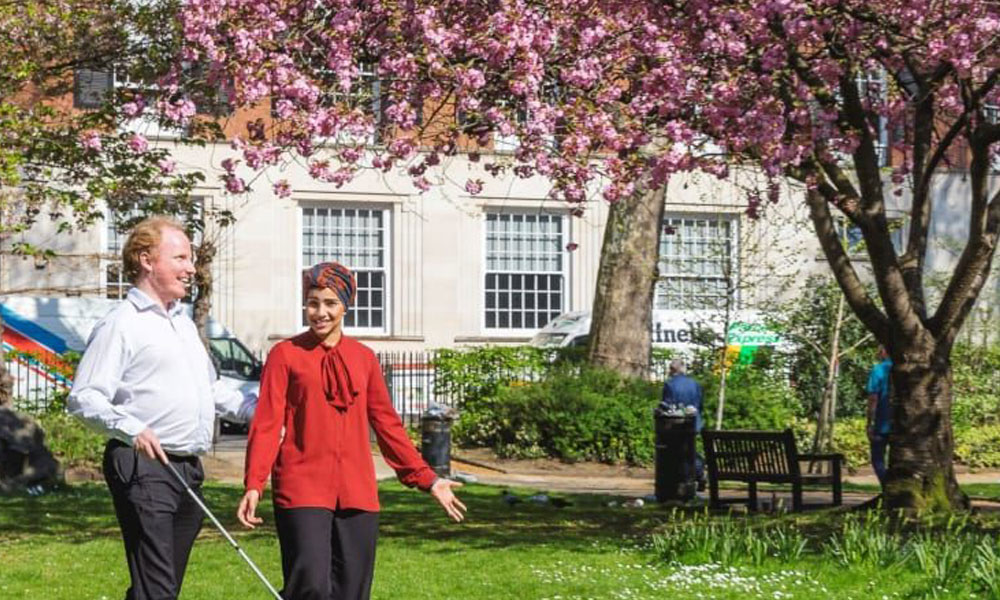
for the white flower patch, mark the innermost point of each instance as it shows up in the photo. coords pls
(640, 581)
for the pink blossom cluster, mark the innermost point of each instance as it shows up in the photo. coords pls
(631, 91)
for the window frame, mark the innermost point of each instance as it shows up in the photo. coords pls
(387, 264)
(734, 221)
(564, 273)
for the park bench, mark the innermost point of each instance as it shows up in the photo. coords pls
(764, 457)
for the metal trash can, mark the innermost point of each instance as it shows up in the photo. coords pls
(675, 455)
(435, 438)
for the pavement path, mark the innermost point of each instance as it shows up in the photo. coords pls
(225, 464)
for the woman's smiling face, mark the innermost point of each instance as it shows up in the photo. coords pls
(325, 313)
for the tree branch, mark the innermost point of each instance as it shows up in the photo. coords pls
(971, 272)
(854, 291)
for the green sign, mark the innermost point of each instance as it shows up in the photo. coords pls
(751, 334)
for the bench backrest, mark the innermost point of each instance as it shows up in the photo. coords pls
(757, 455)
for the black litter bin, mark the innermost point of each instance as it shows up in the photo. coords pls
(435, 441)
(675, 456)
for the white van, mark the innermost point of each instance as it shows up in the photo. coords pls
(42, 328)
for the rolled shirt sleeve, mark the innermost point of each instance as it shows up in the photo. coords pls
(96, 384)
(231, 403)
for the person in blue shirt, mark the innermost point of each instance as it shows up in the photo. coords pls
(879, 412)
(681, 390)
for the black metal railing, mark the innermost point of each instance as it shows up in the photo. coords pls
(409, 378)
(34, 386)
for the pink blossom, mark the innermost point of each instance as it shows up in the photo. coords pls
(282, 189)
(91, 140)
(134, 107)
(166, 166)
(234, 184)
(138, 143)
(474, 186)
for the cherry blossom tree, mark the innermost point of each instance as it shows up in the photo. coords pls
(609, 98)
(65, 165)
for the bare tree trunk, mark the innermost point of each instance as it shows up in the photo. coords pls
(921, 474)
(620, 337)
(723, 372)
(203, 284)
(823, 439)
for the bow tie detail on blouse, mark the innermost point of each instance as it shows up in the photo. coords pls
(337, 382)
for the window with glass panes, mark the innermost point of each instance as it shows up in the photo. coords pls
(116, 285)
(356, 238)
(525, 269)
(697, 262)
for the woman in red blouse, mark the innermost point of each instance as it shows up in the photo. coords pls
(319, 392)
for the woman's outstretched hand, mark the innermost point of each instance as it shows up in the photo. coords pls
(442, 492)
(247, 511)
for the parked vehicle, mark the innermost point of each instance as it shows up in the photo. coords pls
(40, 330)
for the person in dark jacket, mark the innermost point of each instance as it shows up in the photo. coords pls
(681, 391)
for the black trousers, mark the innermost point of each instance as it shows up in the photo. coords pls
(325, 554)
(158, 520)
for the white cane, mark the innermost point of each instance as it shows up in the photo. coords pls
(225, 533)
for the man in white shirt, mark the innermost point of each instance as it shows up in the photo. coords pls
(148, 383)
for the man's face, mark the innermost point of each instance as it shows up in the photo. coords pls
(170, 269)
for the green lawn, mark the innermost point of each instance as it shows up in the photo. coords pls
(65, 545)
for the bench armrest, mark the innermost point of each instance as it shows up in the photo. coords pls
(831, 457)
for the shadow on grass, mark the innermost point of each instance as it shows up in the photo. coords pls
(491, 523)
(81, 513)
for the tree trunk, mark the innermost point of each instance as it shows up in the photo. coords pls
(203, 289)
(620, 336)
(823, 440)
(921, 472)
(723, 371)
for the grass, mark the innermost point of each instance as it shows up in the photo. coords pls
(65, 545)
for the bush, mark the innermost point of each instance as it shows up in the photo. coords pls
(471, 374)
(755, 399)
(976, 385)
(72, 442)
(574, 413)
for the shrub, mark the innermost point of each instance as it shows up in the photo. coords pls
(755, 399)
(471, 374)
(574, 413)
(72, 442)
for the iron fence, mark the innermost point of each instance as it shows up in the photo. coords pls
(34, 386)
(409, 378)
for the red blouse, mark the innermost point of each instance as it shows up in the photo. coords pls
(324, 458)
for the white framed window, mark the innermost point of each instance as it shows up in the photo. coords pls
(872, 88)
(991, 112)
(92, 87)
(698, 260)
(525, 275)
(359, 239)
(116, 284)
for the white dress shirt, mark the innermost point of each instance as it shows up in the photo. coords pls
(146, 367)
